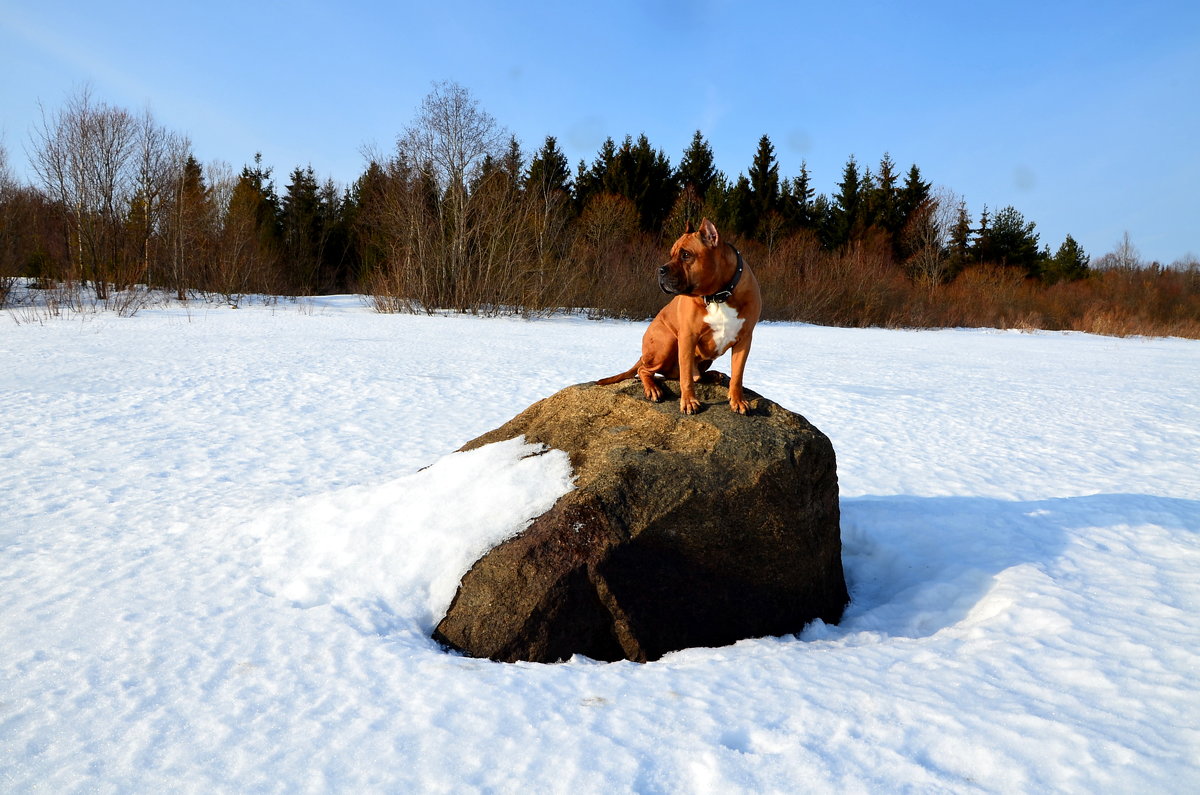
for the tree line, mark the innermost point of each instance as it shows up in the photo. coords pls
(458, 216)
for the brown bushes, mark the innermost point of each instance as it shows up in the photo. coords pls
(605, 266)
(862, 286)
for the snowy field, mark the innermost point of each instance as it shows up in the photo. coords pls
(221, 554)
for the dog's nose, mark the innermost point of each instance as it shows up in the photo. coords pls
(663, 271)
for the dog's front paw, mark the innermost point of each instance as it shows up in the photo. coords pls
(689, 405)
(737, 400)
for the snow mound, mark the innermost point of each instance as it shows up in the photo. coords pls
(392, 555)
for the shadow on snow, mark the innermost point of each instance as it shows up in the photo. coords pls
(916, 565)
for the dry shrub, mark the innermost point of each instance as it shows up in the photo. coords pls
(858, 287)
(388, 292)
(1144, 301)
(781, 277)
(1108, 320)
(986, 295)
(615, 263)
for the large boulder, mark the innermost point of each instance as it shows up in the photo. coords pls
(682, 531)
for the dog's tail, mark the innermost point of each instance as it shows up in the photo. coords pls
(613, 379)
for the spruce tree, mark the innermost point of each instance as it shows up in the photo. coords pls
(363, 209)
(595, 179)
(261, 195)
(514, 160)
(763, 178)
(259, 184)
(885, 199)
(303, 225)
(913, 196)
(867, 188)
(826, 221)
(718, 204)
(846, 208)
(696, 169)
(740, 208)
(548, 171)
(981, 245)
(248, 255)
(644, 176)
(336, 267)
(959, 247)
(796, 199)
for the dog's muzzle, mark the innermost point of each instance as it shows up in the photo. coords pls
(669, 283)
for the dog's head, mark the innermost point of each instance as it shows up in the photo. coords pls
(692, 260)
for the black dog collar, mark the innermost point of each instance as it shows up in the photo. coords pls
(721, 296)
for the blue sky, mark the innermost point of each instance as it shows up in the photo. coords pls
(1085, 116)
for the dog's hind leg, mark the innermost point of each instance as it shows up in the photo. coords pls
(650, 386)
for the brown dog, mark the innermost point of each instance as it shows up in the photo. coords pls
(715, 309)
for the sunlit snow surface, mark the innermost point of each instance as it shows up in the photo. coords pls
(221, 553)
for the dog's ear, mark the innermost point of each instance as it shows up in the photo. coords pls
(689, 230)
(708, 234)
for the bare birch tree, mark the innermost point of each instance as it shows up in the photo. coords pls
(448, 143)
(8, 226)
(927, 236)
(83, 155)
(158, 163)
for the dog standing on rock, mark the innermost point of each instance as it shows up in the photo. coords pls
(716, 306)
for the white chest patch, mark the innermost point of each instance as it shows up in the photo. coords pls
(725, 324)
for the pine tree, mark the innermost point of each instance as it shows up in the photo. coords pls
(885, 199)
(248, 254)
(644, 176)
(1014, 242)
(1068, 263)
(258, 181)
(981, 246)
(763, 178)
(846, 209)
(513, 162)
(488, 169)
(718, 204)
(303, 224)
(548, 197)
(959, 248)
(913, 196)
(594, 180)
(796, 200)
(867, 188)
(337, 265)
(362, 209)
(502, 174)
(699, 193)
(548, 171)
(696, 169)
(740, 209)
(826, 221)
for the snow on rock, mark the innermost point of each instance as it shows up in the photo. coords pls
(396, 552)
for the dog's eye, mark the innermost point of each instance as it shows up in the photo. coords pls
(685, 254)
